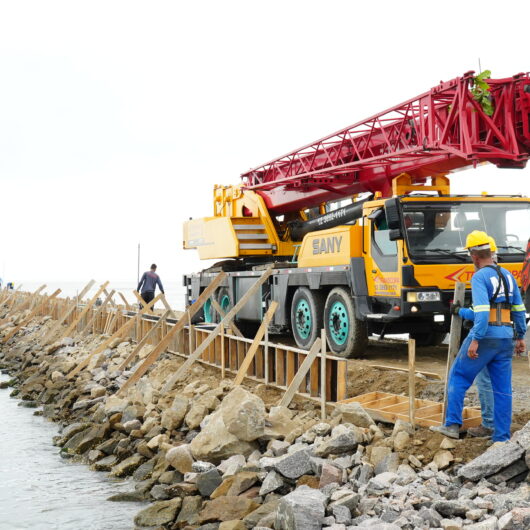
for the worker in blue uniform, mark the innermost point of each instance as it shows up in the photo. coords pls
(499, 319)
(483, 380)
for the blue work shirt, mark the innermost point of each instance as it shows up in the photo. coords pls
(149, 281)
(483, 286)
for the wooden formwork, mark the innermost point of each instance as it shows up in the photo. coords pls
(389, 408)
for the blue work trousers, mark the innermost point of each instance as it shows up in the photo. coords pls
(496, 356)
(485, 395)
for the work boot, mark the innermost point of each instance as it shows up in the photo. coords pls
(451, 431)
(480, 432)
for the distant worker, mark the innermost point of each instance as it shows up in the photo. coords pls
(499, 314)
(148, 283)
(10, 285)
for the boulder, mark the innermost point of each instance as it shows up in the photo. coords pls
(271, 482)
(226, 509)
(302, 509)
(291, 465)
(493, 460)
(279, 423)
(243, 414)
(87, 439)
(195, 415)
(208, 481)
(330, 474)
(189, 513)
(173, 417)
(215, 443)
(443, 458)
(159, 513)
(127, 466)
(344, 439)
(180, 458)
(354, 413)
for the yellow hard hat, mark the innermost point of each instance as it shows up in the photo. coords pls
(478, 240)
(493, 245)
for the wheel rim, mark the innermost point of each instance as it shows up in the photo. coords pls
(339, 324)
(225, 302)
(303, 319)
(208, 316)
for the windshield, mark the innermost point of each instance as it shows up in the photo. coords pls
(438, 231)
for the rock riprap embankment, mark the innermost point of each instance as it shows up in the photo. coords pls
(212, 456)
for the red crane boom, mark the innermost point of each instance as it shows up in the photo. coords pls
(437, 132)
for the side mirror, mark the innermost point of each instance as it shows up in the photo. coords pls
(393, 219)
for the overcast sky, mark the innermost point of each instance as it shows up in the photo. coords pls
(116, 118)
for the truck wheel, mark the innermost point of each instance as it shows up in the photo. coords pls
(433, 338)
(306, 316)
(347, 336)
(223, 299)
(209, 312)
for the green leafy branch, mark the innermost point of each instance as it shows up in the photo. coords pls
(481, 92)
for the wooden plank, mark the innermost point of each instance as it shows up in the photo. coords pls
(143, 342)
(222, 314)
(168, 308)
(97, 313)
(323, 354)
(28, 318)
(222, 352)
(106, 293)
(127, 305)
(141, 301)
(51, 333)
(429, 410)
(432, 375)
(313, 378)
(454, 339)
(290, 367)
(20, 305)
(255, 343)
(85, 310)
(225, 321)
(300, 375)
(412, 381)
(266, 357)
(280, 367)
(342, 375)
(118, 333)
(161, 346)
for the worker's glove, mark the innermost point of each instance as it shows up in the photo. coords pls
(455, 308)
(467, 324)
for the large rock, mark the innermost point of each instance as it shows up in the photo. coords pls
(207, 482)
(226, 509)
(522, 437)
(189, 513)
(215, 443)
(279, 423)
(354, 413)
(302, 509)
(180, 458)
(87, 439)
(158, 513)
(243, 414)
(195, 415)
(492, 461)
(291, 465)
(127, 466)
(344, 439)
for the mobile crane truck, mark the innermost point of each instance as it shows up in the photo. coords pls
(361, 227)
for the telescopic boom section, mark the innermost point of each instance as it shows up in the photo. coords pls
(435, 133)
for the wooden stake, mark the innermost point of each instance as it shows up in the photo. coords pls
(85, 310)
(242, 372)
(454, 340)
(222, 314)
(67, 313)
(323, 375)
(97, 313)
(222, 352)
(120, 332)
(186, 318)
(21, 306)
(211, 337)
(412, 382)
(127, 306)
(301, 373)
(266, 353)
(141, 301)
(143, 342)
(167, 306)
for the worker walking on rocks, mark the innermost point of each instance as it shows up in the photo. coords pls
(499, 319)
(148, 282)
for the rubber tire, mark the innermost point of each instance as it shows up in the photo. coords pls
(315, 301)
(357, 340)
(424, 340)
(219, 294)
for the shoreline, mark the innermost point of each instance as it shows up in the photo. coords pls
(209, 455)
